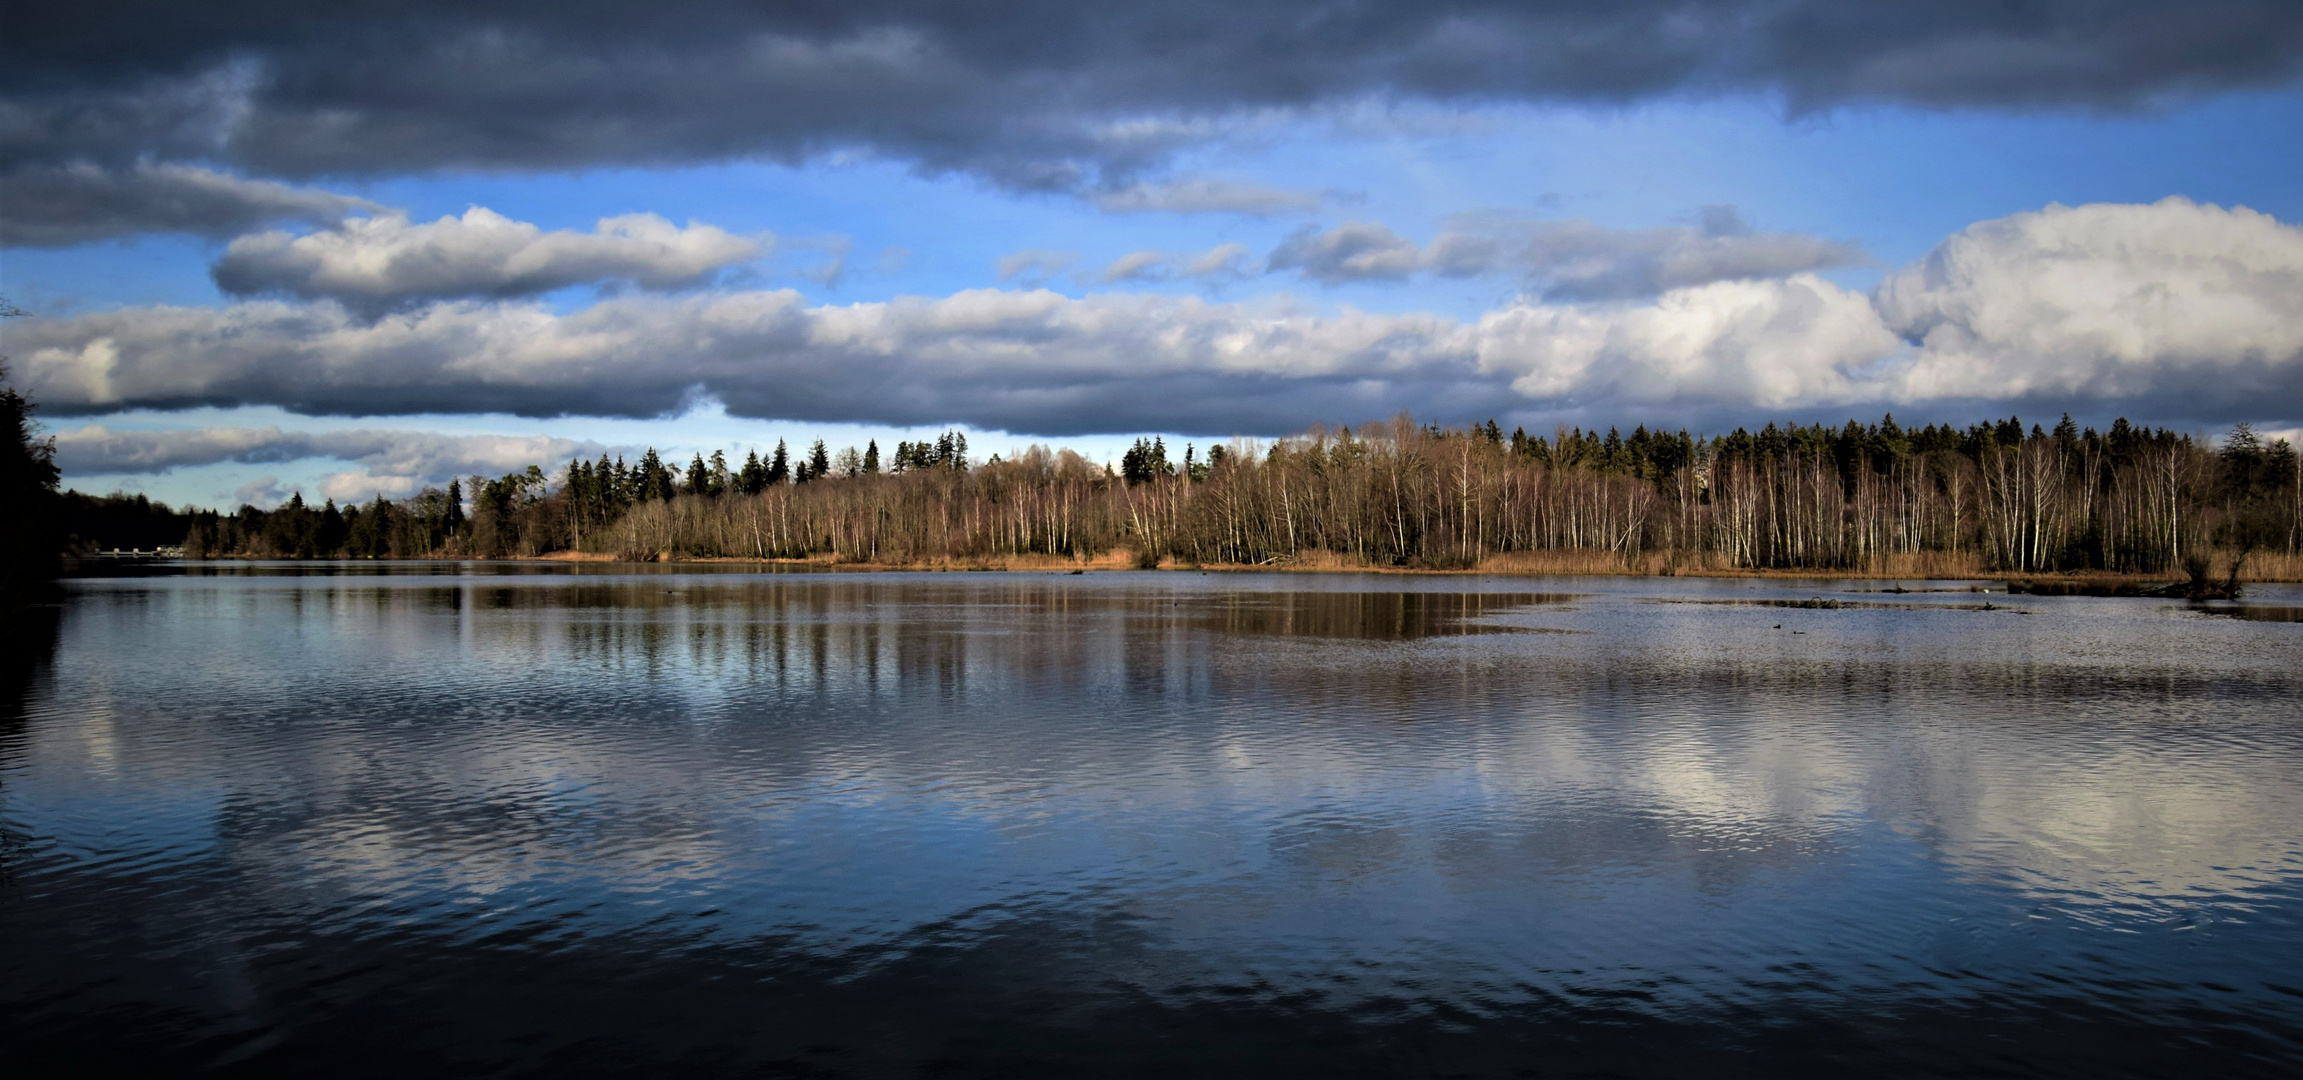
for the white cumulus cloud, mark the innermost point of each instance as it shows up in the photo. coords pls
(1795, 342)
(2170, 312)
(386, 261)
(2173, 298)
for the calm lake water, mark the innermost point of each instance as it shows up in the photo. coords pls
(383, 819)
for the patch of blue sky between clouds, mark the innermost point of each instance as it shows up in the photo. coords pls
(1893, 181)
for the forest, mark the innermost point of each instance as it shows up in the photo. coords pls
(1990, 497)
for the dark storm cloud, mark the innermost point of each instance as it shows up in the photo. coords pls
(57, 206)
(1039, 95)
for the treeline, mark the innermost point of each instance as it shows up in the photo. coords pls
(120, 521)
(1996, 495)
(432, 524)
(527, 513)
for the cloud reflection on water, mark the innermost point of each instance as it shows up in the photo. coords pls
(1308, 784)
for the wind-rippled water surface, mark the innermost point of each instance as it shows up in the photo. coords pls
(486, 819)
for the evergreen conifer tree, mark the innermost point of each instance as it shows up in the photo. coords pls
(332, 531)
(754, 477)
(654, 481)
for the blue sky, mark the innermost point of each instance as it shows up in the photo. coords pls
(1894, 180)
(1866, 188)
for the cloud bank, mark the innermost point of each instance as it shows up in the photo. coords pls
(2173, 310)
(373, 264)
(1574, 259)
(394, 463)
(1205, 196)
(1030, 96)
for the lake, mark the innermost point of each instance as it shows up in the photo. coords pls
(518, 818)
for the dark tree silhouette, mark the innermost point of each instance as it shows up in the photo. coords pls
(31, 526)
(32, 537)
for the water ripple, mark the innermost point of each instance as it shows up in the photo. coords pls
(525, 820)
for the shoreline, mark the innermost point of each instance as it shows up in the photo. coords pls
(1517, 564)
(1521, 564)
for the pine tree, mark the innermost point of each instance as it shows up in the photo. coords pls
(654, 479)
(872, 456)
(779, 466)
(754, 478)
(1147, 460)
(333, 530)
(1132, 467)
